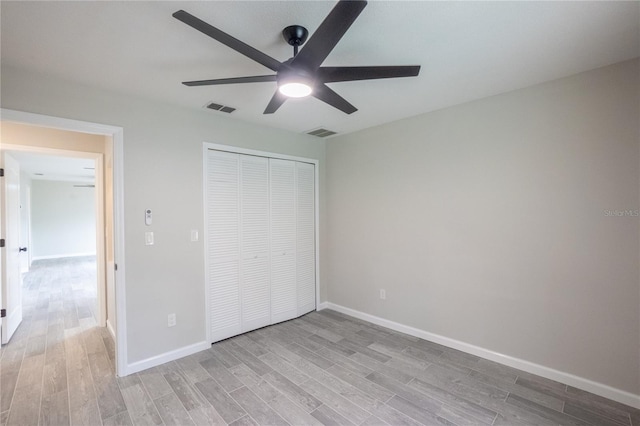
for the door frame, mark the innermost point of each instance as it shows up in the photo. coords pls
(117, 135)
(28, 214)
(237, 150)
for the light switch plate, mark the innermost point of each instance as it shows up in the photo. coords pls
(194, 235)
(148, 238)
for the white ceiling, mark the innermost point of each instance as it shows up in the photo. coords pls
(468, 50)
(51, 167)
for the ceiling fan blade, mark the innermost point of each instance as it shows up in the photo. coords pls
(276, 102)
(252, 79)
(325, 94)
(333, 74)
(328, 34)
(227, 40)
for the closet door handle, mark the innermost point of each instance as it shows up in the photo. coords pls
(22, 249)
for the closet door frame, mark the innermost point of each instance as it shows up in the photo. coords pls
(206, 146)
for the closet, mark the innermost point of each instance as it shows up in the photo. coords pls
(260, 249)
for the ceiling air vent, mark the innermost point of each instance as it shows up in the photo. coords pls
(321, 133)
(222, 108)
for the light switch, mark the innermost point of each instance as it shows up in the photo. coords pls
(194, 235)
(148, 238)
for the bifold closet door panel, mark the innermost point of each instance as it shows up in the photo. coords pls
(260, 220)
(223, 225)
(306, 242)
(284, 302)
(254, 231)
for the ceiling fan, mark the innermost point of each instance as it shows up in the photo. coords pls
(302, 75)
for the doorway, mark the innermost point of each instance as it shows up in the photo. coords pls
(60, 226)
(108, 163)
(67, 212)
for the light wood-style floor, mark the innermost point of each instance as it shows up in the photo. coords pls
(322, 368)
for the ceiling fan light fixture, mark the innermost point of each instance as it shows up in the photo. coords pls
(295, 89)
(303, 74)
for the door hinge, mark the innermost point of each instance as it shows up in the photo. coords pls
(115, 266)
(2, 242)
(3, 313)
(1, 172)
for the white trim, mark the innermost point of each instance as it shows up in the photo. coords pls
(601, 389)
(167, 357)
(118, 248)
(236, 150)
(111, 330)
(101, 259)
(317, 233)
(117, 136)
(28, 214)
(61, 256)
(205, 235)
(57, 122)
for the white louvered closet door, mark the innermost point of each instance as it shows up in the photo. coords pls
(284, 301)
(223, 217)
(254, 230)
(305, 240)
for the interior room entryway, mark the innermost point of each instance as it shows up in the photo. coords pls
(55, 205)
(58, 279)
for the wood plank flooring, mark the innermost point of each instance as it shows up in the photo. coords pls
(323, 368)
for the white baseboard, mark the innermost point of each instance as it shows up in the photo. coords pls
(61, 256)
(601, 389)
(166, 357)
(111, 330)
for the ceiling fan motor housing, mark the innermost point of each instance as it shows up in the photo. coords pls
(295, 35)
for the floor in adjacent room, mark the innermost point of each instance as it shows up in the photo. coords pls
(322, 368)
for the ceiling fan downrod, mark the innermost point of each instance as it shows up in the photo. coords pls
(295, 35)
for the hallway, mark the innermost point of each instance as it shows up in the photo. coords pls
(58, 361)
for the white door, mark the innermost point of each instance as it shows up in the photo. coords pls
(223, 244)
(305, 237)
(11, 286)
(260, 216)
(284, 295)
(254, 230)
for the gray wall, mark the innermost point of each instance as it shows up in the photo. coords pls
(63, 219)
(486, 223)
(163, 172)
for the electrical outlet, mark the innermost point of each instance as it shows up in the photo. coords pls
(383, 294)
(171, 320)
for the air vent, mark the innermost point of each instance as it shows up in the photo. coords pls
(321, 133)
(222, 108)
